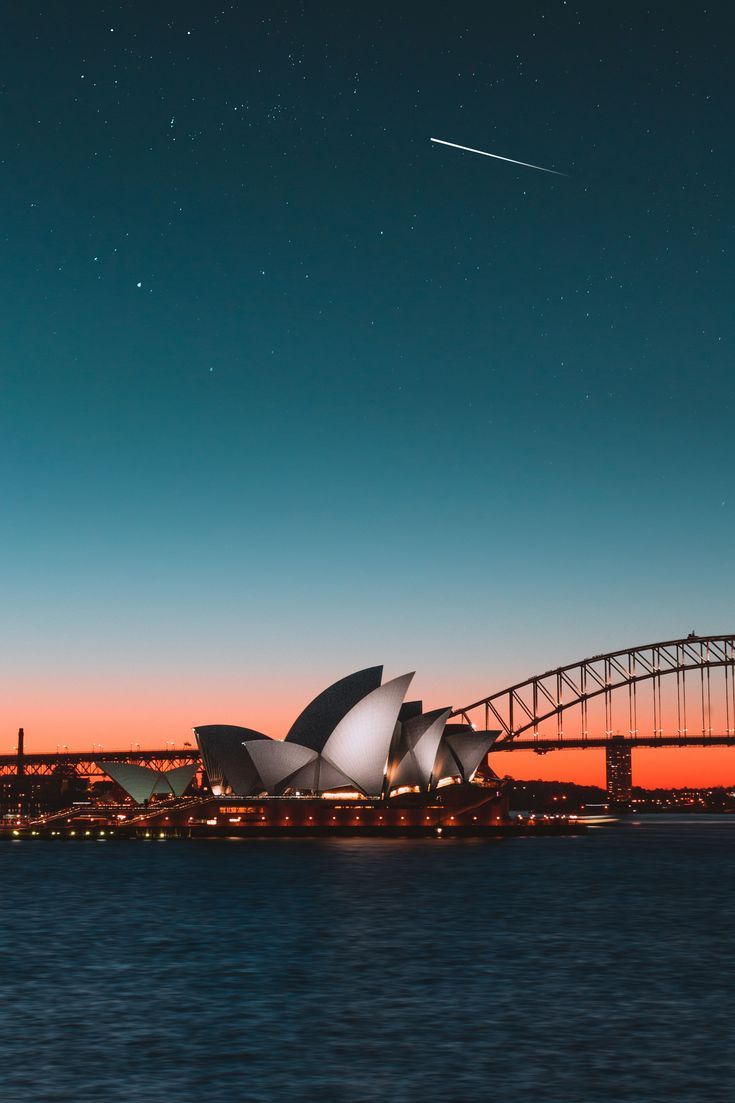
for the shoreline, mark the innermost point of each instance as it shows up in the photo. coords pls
(197, 832)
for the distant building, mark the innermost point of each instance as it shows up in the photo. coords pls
(619, 770)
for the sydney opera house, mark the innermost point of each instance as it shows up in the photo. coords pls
(359, 753)
(358, 758)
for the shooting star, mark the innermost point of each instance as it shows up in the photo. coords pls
(497, 157)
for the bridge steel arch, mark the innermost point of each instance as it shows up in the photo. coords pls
(526, 706)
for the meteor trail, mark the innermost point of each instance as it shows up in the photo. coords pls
(484, 153)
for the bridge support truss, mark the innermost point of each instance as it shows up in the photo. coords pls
(674, 693)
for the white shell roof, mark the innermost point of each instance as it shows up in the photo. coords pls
(360, 744)
(275, 759)
(420, 736)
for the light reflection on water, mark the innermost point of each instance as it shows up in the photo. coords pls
(594, 969)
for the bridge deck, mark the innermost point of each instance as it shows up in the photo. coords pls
(543, 746)
(87, 763)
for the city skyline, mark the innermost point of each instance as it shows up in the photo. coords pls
(288, 389)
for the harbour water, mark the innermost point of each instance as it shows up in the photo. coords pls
(588, 969)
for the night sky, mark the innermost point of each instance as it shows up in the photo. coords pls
(288, 390)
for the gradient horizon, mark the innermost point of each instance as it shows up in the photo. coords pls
(67, 724)
(287, 390)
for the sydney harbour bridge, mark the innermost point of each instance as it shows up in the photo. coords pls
(677, 693)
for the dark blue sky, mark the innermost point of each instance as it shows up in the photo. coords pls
(288, 390)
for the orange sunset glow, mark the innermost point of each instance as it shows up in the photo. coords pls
(127, 713)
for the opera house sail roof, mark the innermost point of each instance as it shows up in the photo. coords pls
(357, 735)
(322, 715)
(360, 744)
(141, 782)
